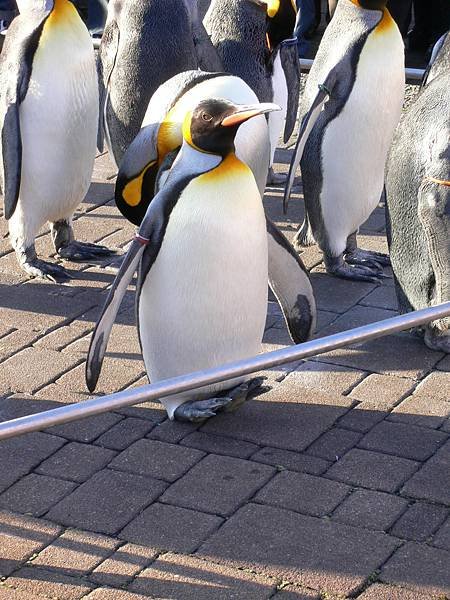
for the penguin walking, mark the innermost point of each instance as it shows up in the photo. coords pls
(145, 42)
(48, 119)
(344, 141)
(202, 256)
(149, 158)
(252, 37)
(418, 200)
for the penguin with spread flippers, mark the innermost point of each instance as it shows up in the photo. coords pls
(418, 200)
(351, 105)
(252, 39)
(148, 160)
(145, 42)
(201, 251)
(48, 120)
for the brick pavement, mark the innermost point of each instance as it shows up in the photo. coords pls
(334, 484)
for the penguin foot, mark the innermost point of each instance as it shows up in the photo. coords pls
(197, 411)
(44, 270)
(275, 178)
(358, 272)
(81, 251)
(368, 258)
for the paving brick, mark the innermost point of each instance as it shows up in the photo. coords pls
(75, 552)
(172, 432)
(383, 296)
(48, 583)
(291, 592)
(420, 521)
(76, 462)
(442, 537)
(218, 484)
(303, 493)
(378, 591)
(86, 430)
(382, 392)
(124, 564)
(345, 293)
(334, 443)
(324, 318)
(285, 459)
(63, 336)
(331, 378)
(35, 494)
(356, 317)
(20, 538)
(113, 594)
(419, 567)
(434, 387)
(170, 528)
(124, 433)
(408, 441)
(301, 414)
(175, 576)
(432, 481)
(399, 355)
(123, 340)
(219, 444)
(8, 593)
(156, 459)
(31, 369)
(20, 454)
(444, 364)
(16, 341)
(372, 470)
(418, 410)
(313, 552)
(92, 506)
(370, 510)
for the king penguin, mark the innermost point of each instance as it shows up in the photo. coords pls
(418, 200)
(150, 155)
(202, 256)
(145, 42)
(48, 119)
(252, 38)
(351, 105)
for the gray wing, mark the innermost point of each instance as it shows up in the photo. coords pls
(289, 281)
(15, 71)
(291, 67)
(109, 47)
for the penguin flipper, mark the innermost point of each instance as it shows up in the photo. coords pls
(308, 122)
(289, 281)
(109, 47)
(291, 67)
(12, 159)
(135, 186)
(100, 336)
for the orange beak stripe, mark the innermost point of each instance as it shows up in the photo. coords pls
(240, 117)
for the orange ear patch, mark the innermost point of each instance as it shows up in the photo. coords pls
(132, 192)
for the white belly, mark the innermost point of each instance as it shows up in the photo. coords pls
(204, 301)
(356, 142)
(280, 97)
(58, 121)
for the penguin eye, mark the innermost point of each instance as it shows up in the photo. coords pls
(206, 117)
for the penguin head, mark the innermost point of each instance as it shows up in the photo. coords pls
(371, 4)
(212, 125)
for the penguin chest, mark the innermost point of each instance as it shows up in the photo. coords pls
(204, 300)
(58, 117)
(356, 142)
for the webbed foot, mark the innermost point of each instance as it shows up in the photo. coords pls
(197, 411)
(44, 270)
(80, 251)
(358, 272)
(367, 258)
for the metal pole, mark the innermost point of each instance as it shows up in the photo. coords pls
(198, 379)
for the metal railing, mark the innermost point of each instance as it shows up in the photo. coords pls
(198, 379)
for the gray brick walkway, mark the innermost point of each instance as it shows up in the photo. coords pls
(334, 484)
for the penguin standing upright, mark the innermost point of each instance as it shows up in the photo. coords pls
(151, 154)
(251, 37)
(359, 68)
(202, 256)
(145, 42)
(48, 119)
(418, 200)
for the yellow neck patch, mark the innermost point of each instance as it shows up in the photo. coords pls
(231, 166)
(63, 11)
(273, 6)
(132, 192)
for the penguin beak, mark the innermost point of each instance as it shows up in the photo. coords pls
(245, 112)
